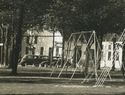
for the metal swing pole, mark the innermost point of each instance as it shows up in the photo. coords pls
(95, 57)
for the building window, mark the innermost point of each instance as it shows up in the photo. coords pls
(57, 51)
(30, 50)
(41, 50)
(109, 47)
(35, 39)
(117, 56)
(33, 51)
(27, 39)
(50, 52)
(109, 56)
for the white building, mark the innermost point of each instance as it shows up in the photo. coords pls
(41, 43)
(109, 57)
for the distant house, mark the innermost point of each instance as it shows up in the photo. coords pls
(109, 57)
(41, 43)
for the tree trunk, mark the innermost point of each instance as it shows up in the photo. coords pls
(114, 51)
(17, 48)
(3, 53)
(5, 38)
(1, 47)
(11, 59)
(63, 46)
(100, 36)
(87, 61)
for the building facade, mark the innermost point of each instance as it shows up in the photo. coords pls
(42, 43)
(112, 52)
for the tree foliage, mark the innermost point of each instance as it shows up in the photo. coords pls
(77, 15)
(34, 12)
(67, 15)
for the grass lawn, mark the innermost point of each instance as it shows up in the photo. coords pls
(34, 80)
(59, 89)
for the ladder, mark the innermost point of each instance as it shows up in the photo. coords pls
(104, 74)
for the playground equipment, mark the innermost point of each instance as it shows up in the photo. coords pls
(110, 54)
(95, 42)
(115, 59)
(81, 45)
(88, 40)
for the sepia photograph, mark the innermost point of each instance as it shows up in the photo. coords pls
(62, 47)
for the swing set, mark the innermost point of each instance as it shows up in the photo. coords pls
(84, 53)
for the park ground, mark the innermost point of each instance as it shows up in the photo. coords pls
(59, 89)
(44, 85)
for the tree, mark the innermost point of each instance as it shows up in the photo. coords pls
(31, 14)
(22, 15)
(77, 15)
